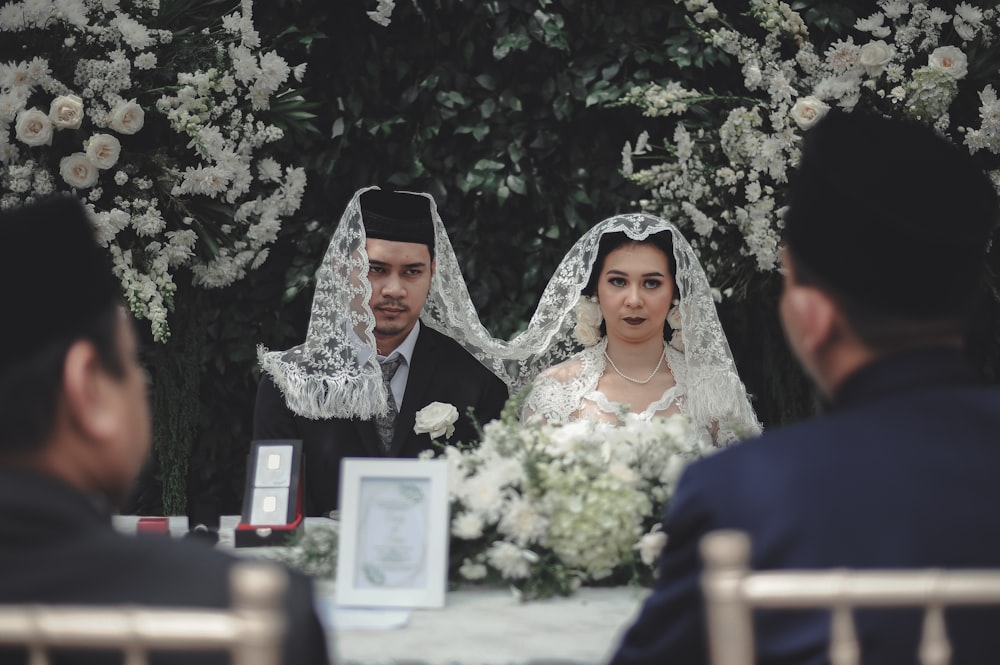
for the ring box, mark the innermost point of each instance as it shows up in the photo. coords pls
(273, 498)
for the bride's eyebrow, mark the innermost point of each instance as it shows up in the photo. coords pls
(613, 271)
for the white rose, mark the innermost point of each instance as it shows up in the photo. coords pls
(127, 118)
(874, 56)
(436, 419)
(33, 128)
(103, 150)
(471, 570)
(78, 171)
(650, 546)
(674, 319)
(66, 112)
(588, 311)
(588, 321)
(949, 60)
(587, 335)
(807, 111)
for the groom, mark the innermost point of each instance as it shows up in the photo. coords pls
(420, 364)
(886, 237)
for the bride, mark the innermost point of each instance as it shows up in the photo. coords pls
(651, 337)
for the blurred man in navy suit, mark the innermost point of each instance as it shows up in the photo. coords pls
(885, 240)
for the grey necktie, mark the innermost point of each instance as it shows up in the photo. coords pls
(385, 424)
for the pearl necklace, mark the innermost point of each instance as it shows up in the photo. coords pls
(629, 378)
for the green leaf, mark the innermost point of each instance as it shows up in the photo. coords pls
(486, 81)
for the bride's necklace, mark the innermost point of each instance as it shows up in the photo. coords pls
(629, 378)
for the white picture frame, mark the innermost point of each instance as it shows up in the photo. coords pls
(394, 533)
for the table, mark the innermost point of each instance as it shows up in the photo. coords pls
(478, 626)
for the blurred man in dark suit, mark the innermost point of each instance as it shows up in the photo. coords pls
(885, 240)
(74, 433)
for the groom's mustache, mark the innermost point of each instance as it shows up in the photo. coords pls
(391, 304)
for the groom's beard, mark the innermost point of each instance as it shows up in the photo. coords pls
(389, 328)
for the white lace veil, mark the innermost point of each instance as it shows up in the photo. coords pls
(715, 394)
(335, 374)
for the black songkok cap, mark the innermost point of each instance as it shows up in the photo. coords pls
(397, 216)
(55, 280)
(890, 215)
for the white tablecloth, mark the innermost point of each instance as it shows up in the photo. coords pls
(476, 627)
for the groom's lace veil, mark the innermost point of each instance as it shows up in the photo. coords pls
(335, 374)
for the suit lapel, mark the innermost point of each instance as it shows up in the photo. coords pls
(417, 383)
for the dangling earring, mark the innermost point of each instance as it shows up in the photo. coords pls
(588, 321)
(676, 322)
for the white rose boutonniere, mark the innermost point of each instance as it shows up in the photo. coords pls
(436, 419)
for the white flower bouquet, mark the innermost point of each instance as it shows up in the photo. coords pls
(547, 508)
(159, 116)
(724, 173)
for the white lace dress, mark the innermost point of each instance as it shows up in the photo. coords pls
(569, 391)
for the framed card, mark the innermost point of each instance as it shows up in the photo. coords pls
(394, 518)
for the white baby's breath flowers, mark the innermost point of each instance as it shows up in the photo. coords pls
(728, 187)
(98, 68)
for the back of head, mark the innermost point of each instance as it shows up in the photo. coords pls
(891, 219)
(56, 286)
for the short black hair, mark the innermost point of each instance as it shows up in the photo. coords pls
(30, 386)
(881, 330)
(891, 217)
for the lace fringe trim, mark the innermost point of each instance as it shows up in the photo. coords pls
(316, 397)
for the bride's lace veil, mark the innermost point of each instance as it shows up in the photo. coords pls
(716, 397)
(334, 373)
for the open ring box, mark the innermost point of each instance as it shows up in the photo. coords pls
(272, 501)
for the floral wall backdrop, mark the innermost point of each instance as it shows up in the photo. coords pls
(252, 124)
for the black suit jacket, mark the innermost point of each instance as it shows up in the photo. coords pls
(440, 371)
(58, 546)
(901, 473)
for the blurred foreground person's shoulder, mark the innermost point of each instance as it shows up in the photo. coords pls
(74, 433)
(886, 237)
